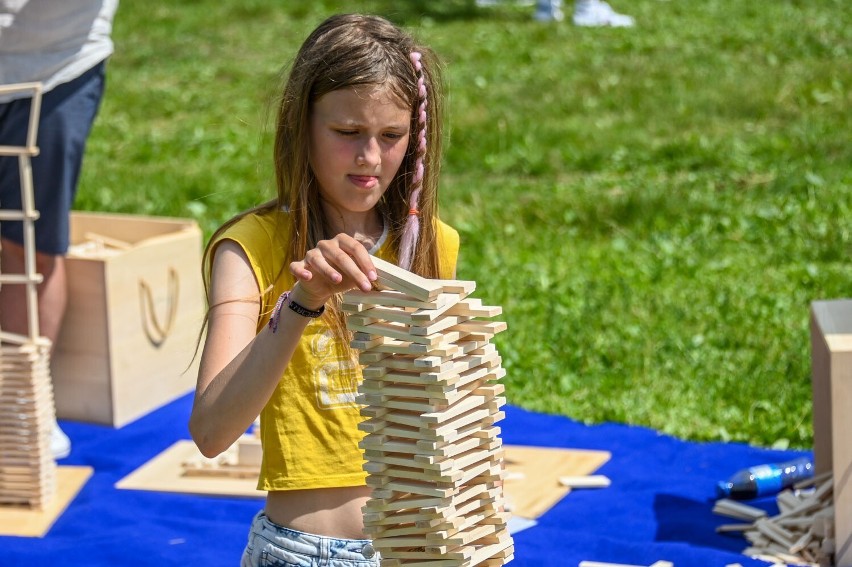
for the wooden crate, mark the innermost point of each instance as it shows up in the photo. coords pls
(135, 307)
(831, 351)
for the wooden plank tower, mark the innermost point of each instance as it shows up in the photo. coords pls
(27, 467)
(433, 454)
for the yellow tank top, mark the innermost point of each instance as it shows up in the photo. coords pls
(309, 427)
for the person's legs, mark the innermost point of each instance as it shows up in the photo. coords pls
(52, 292)
(52, 297)
(548, 11)
(67, 115)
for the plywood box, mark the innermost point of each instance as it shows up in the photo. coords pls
(831, 352)
(135, 308)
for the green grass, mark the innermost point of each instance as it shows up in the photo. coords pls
(654, 208)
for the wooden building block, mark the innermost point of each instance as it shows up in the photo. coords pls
(391, 298)
(831, 351)
(402, 280)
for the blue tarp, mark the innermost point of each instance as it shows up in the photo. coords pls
(659, 505)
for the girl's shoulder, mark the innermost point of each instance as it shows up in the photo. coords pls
(448, 241)
(445, 231)
(268, 224)
(448, 237)
(262, 235)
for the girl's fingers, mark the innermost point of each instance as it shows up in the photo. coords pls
(300, 271)
(362, 258)
(350, 258)
(346, 268)
(319, 263)
(335, 265)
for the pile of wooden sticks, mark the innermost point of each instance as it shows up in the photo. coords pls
(802, 533)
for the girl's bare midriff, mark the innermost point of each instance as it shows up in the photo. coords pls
(333, 512)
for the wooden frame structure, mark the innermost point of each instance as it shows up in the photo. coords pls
(433, 453)
(28, 475)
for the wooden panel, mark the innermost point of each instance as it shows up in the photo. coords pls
(165, 473)
(831, 339)
(532, 485)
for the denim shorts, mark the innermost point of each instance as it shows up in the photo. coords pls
(67, 114)
(276, 546)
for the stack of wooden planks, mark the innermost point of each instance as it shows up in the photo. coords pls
(27, 467)
(431, 401)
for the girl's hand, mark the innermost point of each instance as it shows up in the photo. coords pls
(334, 266)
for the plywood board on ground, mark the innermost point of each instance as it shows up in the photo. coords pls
(22, 521)
(532, 487)
(164, 473)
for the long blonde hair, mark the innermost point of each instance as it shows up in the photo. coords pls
(346, 51)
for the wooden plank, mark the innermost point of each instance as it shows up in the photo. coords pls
(377, 360)
(477, 512)
(390, 298)
(475, 308)
(467, 536)
(399, 459)
(464, 287)
(466, 404)
(416, 392)
(480, 327)
(460, 447)
(379, 405)
(431, 505)
(425, 377)
(402, 280)
(415, 487)
(439, 324)
(452, 308)
(435, 358)
(450, 470)
(396, 314)
(397, 518)
(381, 442)
(472, 430)
(402, 333)
(392, 346)
(387, 472)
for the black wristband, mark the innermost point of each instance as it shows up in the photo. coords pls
(304, 311)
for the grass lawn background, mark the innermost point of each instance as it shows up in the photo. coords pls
(654, 208)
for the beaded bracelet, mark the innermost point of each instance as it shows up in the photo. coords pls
(295, 307)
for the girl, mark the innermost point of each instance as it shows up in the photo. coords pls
(356, 154)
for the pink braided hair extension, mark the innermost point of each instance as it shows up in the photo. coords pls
(411, 231)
